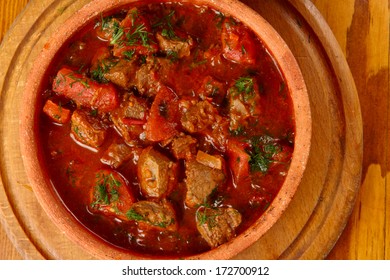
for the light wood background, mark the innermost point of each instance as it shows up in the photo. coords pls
(362, 29)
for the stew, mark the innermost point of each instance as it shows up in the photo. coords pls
(166, 129)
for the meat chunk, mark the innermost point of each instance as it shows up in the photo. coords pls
(87, 129)
(212, 89)
(110, 195)
(156, 173)
(177, 47)
(117, 154)
(130, 117)
(147, 78)
(201, 180)
(217, 225)
(122, 73)
(153, 215)
(203, 118)
(184, 147)
(197, 116)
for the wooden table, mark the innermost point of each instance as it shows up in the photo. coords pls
(362, 30)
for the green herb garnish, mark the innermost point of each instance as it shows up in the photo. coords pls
(134, 216)
(245, 85)
(106, 191)
(103, 68)
(117, 34)
(167, 27)
(263, 150)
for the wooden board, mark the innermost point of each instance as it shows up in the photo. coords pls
(320, 209)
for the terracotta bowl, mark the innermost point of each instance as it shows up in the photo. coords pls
(53, 205)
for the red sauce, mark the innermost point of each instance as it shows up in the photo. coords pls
(254, 137)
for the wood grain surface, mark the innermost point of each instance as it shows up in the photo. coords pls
(362, 31)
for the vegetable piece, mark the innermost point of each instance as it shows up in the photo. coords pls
(133, 35)
(107, 27)
(84, 91)
(163, 119)
(153, 215)
(111, 195)
(209, 160)
(238, 160)
(56, 112)
(238, 45)
(263, 152)
(101, 55)
(243, 97)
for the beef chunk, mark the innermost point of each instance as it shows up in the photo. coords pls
(203, 118)
(152, 74)
(212, 89)
(201, 180)
(117, 154)
(218, 225)
(184, 147)
(146, 79)
(87, 129)
(197, 116)
(177, 47)
(130, 117)
(156, 173)
(153, 215)
(110, 195)
(122, 73)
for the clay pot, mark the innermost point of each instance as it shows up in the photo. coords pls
(51, 202)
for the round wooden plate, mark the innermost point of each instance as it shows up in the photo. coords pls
(321, 207)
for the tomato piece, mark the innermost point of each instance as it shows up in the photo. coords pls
(56, 112)
(237, 43)
(133, 36)
(163, 119)
(84, 91)
(238, 160)
(131, 121)
(110, 194)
